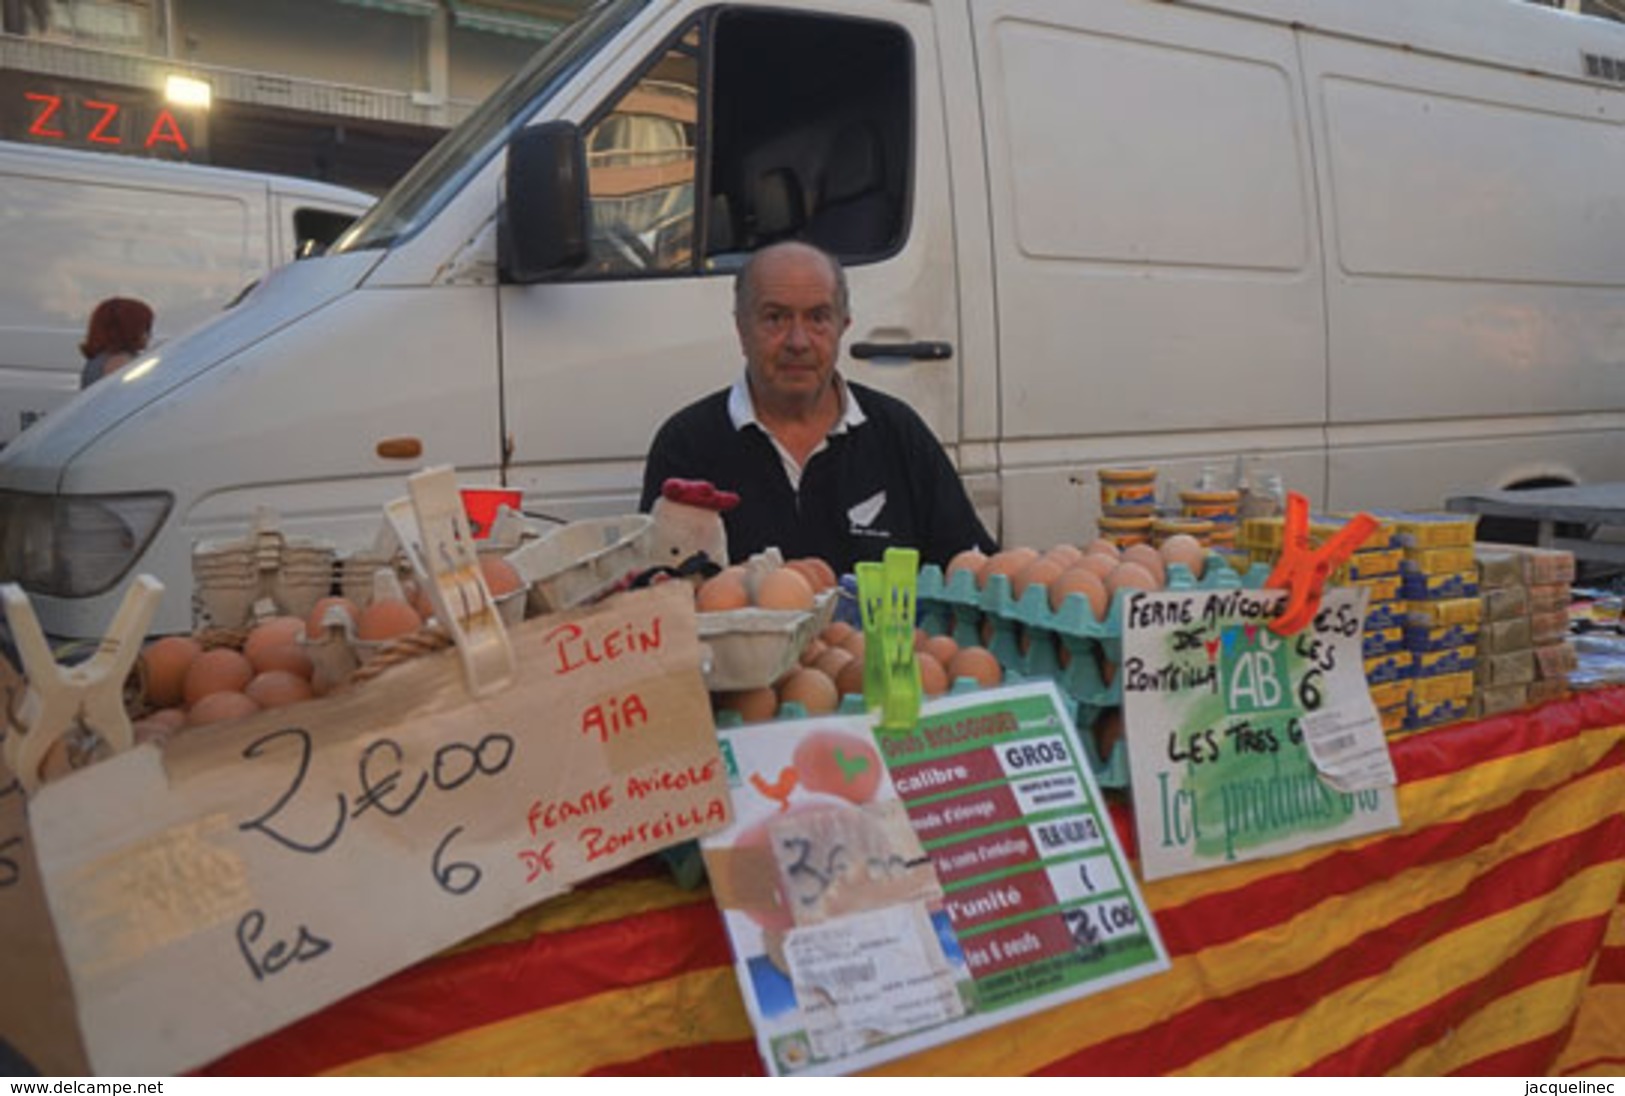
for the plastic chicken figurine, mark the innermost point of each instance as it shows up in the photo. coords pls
(688, 521)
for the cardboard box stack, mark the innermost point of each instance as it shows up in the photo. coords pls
(1527, 653)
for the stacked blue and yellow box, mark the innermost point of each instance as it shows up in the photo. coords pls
(1377, 566)
(1443, 614)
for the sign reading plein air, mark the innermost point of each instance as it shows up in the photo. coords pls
(1244, 744)
(245, 877)
(887, 891)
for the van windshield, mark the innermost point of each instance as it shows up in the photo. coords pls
(460, 154)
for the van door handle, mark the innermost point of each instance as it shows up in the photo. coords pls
(914, 351)
(400, 448)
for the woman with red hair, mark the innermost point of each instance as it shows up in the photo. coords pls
(118, 331)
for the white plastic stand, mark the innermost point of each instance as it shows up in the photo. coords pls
(433, 527)
(90, 694)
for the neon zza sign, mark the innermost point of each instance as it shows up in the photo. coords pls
(111, 122)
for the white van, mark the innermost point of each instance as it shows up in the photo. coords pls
(1380, 246)
(83, 226)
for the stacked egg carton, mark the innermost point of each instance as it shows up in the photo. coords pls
(264, 573)
(1442, 610)
(1375, 565)
(1527, 652)
(1067, 644)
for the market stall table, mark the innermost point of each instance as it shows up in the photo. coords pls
(1595, 504)
(1485, 936)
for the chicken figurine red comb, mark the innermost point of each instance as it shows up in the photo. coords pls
(701, 493)
(688, 521)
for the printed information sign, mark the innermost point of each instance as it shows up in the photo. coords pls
(888, 891)
(1216, 710)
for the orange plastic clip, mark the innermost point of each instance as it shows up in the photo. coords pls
(1303, 570)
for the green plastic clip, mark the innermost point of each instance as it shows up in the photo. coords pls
(887, 594)
(871, 613)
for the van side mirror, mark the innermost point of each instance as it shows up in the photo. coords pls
(542, 227)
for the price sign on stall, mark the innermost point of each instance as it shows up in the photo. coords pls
(1217, 708)
(890, 889)
(247, 876)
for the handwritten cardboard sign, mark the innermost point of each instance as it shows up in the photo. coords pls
(36, 1006)
(887, 891)
(1214, 705)
(244, 877)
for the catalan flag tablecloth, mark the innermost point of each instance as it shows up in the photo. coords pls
(1483, 937)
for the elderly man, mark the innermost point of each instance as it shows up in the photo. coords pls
(823, 467)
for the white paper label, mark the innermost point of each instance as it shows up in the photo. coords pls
(1349, 749)
(869, 977)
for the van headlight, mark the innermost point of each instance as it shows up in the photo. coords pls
(75, 545)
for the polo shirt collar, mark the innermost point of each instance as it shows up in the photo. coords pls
(742, 409)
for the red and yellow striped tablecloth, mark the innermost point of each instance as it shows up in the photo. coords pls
(1484, 936)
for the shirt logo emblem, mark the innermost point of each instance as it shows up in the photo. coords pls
(864, 513)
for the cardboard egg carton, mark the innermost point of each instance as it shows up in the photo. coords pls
(231, 576)
(751, 648)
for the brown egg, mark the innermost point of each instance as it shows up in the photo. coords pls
(1040, 572)
(971, 559)
(170, 719)
(1080, 580)
(318, 613)
(835, 632)
(1008, 563)
(941, 648)
(818, 573)
(1103, 547)
(220, 707)
(1131, 576)
(833, 660)
(849, 682)
(274, 632)
(933, 675)
(1067, 555)
(809, 654)
(784, 589)
(501, 577)
(1182, 548)
(810, 688)
(853, 643)
(753, 705)
(386, 619)
(289, 656)
(221, 670)
(158, 726)
(277, 689)
(166, 661)
(722, 593)
(978, 664)
(1149, 558)
(1100, 563)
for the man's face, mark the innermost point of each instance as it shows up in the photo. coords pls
(791, 330)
